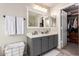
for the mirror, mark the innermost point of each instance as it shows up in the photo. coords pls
(50, 21)
(41, 22)
(47, 22)
(53, 21)
(36, 19)
(33, 18)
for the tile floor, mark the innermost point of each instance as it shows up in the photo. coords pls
(56, 52)
(70, 50)
(53, 52)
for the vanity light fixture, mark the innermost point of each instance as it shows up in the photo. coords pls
(38, 7)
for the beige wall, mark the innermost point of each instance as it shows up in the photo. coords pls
(15, 10)
(20, 10)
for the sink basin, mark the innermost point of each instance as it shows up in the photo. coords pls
(44, 32)
(34, 33)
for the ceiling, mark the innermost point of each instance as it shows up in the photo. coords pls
(50, 5)
(47, 5)
(72, 10)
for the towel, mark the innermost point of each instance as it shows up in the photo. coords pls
(10, 25)
(20, 25)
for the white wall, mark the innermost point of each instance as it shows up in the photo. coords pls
(15, 10)
(20, 10)
(56, 11)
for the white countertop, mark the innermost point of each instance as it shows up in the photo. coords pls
(41, 35)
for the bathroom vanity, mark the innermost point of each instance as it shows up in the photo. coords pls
(41, 38)
(41, 43)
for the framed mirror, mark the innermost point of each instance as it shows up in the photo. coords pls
(50, 21)
(47, 21)
(33, 18)
(53, 21)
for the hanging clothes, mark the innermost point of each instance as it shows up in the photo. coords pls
(68, 25)
(75, 23)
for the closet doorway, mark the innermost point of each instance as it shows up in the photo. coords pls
(70, 39)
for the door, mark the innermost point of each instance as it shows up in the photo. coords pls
(44, 44)
(50, 41)
(63, 29)
(55, 41)
(36, 46)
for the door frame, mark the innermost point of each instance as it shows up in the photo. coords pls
(62, 23)
(61, 29)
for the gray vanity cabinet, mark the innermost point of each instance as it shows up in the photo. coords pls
(39, 45)
(44, 44)
(51, 38)
(34, 45)
(55, 41)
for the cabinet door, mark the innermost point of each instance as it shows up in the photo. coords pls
(44, 44)
(55, 41)
(36, 46)
(51, 38)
